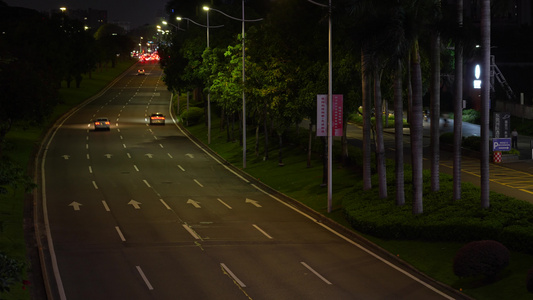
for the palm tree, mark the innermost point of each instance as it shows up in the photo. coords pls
(435, 99)
(416, 130)
(398, 134)
(485, 101)
(380, 146)
(367, 149)
(458, 105)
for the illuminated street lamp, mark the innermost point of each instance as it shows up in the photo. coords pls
(243, 77)
(208, 93)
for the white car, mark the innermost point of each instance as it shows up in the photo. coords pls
(102, 124)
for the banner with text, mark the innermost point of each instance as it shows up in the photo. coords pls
(322, 115)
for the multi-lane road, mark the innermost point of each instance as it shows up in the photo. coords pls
(144, 212)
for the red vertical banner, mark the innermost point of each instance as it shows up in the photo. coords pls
(337, 115)
(321, 115)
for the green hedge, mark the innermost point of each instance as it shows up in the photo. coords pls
(508, 220)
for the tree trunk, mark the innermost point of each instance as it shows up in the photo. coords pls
(398, 135)
(280, 153)
(416, 131)
(435, 110)
(485, 98)
(380, 146)
(367, 150)
(309, 144)
(265, 124)
(257, 139)
(458, 107)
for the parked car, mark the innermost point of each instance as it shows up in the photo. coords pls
(102, 124)
(157, 118)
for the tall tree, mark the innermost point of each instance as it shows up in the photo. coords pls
(435, 97)
(458, 103)
(485, 102)
(416, 130)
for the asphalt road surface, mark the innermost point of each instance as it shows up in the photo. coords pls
(143, 212)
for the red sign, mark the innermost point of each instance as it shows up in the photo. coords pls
(322, 115)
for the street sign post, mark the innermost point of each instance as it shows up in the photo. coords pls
(503, 144)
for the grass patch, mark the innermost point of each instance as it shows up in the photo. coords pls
(21, 143)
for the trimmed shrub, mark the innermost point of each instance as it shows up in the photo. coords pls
(486, 258)
(193, 116)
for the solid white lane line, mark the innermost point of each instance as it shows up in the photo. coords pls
(235, 278)
(120, 234)
(315, 272)
(105, 205)
(169, 155)
(192, 232)
(94, 184)
(150, 287)
(225, 204)
(146, 182)
(137, 169)
(165, 204)
(262, 231)
(197, 182)
(90, 170)
(181, 168)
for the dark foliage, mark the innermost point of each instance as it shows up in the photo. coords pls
(485, 258)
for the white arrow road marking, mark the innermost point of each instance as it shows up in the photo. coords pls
(76, 205)
(150, 287)
(66, 156)
(194, 203)
(135, 204)
(105, 206)
(189, 155)
(227, 271)
(198, 183)
(262, 231)
(108, 155)
(225, 204)
(150, 155)
(315, 272)
(254, 202)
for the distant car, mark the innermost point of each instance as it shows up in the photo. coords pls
(157, 118)
(140, 72)
(102, 124)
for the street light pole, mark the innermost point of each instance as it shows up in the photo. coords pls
(208, 92)
(243, 77)
(330, 107)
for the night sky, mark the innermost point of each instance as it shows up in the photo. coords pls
(138, 12)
